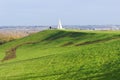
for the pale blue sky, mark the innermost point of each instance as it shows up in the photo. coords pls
(71, 12)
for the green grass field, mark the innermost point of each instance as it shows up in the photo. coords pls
(62, 55)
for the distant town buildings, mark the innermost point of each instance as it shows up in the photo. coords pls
(33, 29)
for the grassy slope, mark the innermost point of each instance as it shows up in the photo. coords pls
(55, 56)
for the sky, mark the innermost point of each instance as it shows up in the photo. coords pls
(48, 12)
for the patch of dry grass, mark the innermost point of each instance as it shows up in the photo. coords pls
(11, 35)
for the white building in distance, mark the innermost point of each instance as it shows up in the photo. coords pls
(60, 25)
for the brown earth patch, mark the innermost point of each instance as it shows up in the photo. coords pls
(11, 53)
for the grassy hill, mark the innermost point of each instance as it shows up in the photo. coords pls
(62, 55)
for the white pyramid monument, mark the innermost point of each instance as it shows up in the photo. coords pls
(60, 25)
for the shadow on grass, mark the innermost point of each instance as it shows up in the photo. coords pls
(2, 42)
(100, 40)
(62, 34)
(67, 44)
(72, 75)
(108, 71)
